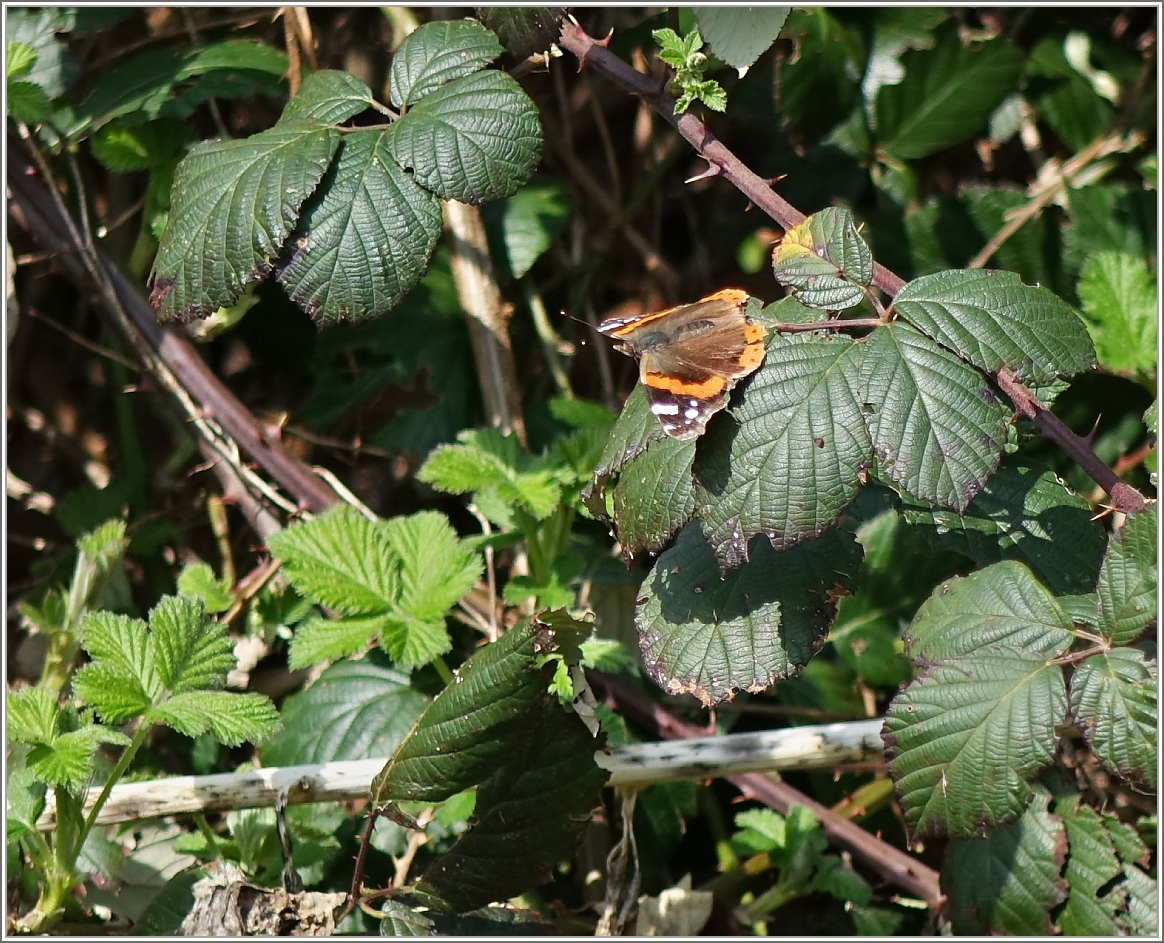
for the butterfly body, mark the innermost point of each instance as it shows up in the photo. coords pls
(690, 356)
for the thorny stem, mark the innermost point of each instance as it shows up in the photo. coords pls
(589, 51)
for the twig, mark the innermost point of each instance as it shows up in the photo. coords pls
(633, 766)
(488, 320)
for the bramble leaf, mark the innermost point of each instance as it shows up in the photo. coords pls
(473, 139)
(999, 605)
(1113, 700)
(365, 239)
(233, 205)
(1127, 584)
(991, 319)
(824, 260)
(936, 426)
(436, 53)
(965, 737)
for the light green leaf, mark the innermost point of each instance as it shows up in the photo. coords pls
(342, 559)
(936, 425)
(365, 238)
(966, 736)
(54, 68)
(191, 651)
(740, 35)
(319, 640)
(123, 644)
(232, 718)
(1113, 700)
(32, 715)
(1007, 881)
(413, 642)
(233, 204)
(436, 567)
(474, 139)
(114, 693)
(328, 97)
(999, 605)
(68, 761)
(792, 459)
(1119, 299)
(436, 53)
(27, 102)
(1127, 585)
(991, 319)
(824, 260)
(486, 460)
(21, 58)
(198, 579)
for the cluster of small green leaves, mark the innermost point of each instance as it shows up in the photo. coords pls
(795, 846)
(169, 671)
(348, 217)
(393, 580)
(528, 498)
(682, 53)
(910, 405)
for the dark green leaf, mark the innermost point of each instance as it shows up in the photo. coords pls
(165, 913)
(791, 460)
(824, 260)
(965, 737)
(530, 815)
(1127, 579)
(521, 228)
(366, 237)
(356, 710)
(1113, 701)
(991, 319)
(1002, 604)
(474, 139)
(328, 97)
(437, 53)
(233, 205)
(144, 85)
(127, 147)
(947, 93)
(635, 429)
(1027, 514)
(1091, 864)
(936, 426)
(819, 85)
(464, 734)
(712, 636)
(1008, 881)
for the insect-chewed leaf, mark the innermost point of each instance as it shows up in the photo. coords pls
(655, 495)
(709, 635)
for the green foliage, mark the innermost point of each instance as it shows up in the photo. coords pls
(683, 55)
(1118, 295)
(364, 233)
(967, 736)
(395, 580)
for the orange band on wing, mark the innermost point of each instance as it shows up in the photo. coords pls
(660, 381)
